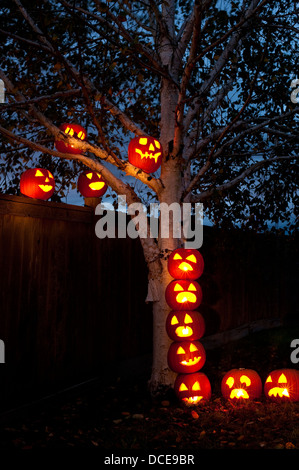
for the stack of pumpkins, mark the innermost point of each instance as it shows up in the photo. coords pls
(185, 326)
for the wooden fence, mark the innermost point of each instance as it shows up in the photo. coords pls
(70, 303)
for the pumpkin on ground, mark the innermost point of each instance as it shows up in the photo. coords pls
(241, 384)
(282, 385)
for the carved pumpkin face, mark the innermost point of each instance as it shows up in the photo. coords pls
(186, 356)
(37, 183)
(185, 263)
(91, 184)
(183, 295)
(192, 389)
(145, 153)
(73, 130)
(241, 384)
(185, 324)
(282, 385)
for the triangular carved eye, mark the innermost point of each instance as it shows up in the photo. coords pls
(183, 388)
(38, 173)
(177, 256)
(193, 348)
(192, 287)
(196, 386)
(174, 320)
(191, 258)
(282, 379)
(181, 350)
(187, 319)
(269, 379)
(178, 287)
(89, 175)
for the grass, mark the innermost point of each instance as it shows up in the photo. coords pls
(118, 413)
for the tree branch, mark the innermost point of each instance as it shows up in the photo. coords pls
(114, 110)
(233, 183)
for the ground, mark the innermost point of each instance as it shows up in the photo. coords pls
(117, 412)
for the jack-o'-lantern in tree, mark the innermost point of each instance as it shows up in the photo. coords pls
(37, 183)
(145, 153)
(185, 263)
(282, 385)
(91, 184)
(186, 356)
(241, 384)
(193, 389)
(73, 130)
(185, 324)
(183, 294)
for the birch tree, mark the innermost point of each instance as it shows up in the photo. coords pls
(211, 80)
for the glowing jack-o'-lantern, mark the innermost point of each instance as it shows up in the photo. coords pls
(91, 184)
(185, 324)
(183, 295)
(185, 263)
(241, 384)
(145, 153)
(192, 389)
(186, 356)
(282, 385)
(73, 130)
(37, 183)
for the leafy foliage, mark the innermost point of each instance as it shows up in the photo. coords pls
(232, 78)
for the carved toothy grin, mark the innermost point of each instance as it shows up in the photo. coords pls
(192, 400)
(239, 393)
(278, 391)
(154, 156)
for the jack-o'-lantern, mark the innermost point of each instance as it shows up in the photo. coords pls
(183, 295)
(186, 356)
(185, 263)
(185, 324)
(73, 130)
(241, 384)
(91, 184)
(145, 153)
(37, 183)
(282, 385)
(192, 389)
